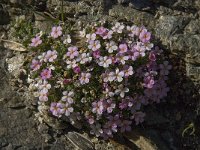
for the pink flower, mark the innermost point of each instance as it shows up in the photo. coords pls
(66, 81)
(128, 71)
(148, 82)
(113, 123)
(124, 104)
(105, 61)
(140, 49)
(98, 107)
(67, 109)
(145, 36)
(122, 59)
(152, 56)
(51, 55)
(68, 96)
(77, 69)
(45, 86)
(35, 65)
(56, 32)
(36, 41)
(72, 52)
(164, 68)
(91, 37)
(118, 27)
(85, 78)
(139, 117)
(46, 74)
(101, 30)
(94, 45)
(55, 109)
(125, 125)
(43, 96)
(107, 34)
(123, 48)
(96, 54)
(89, 118)
(109, 105)
(111, 47)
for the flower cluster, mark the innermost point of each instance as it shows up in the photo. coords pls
(103, 77)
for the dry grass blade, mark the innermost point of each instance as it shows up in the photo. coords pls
(12, 45)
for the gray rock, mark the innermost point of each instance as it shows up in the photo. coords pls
(193, 27)
(15, 63)
(193, 72)
(135, 16)
(80, 141)
(4, 15)
(167, 26)
(123, 1)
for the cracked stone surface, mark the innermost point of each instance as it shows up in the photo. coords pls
(175, 23)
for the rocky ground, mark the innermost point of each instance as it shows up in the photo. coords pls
(168, 126)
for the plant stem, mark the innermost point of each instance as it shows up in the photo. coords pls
(62, 13)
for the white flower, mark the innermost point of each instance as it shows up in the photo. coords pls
(68, 96)
(71, 64)
(108, 93)
(148, 46)
(132, 30)
(111, 76)
(85, 78)
(42, 57)
(43, 95)
(91, 37)
(44, 86)
(84, 57)
(105, 61)
(94, 45)
(119, 75)
(67, 109)
(67, 40)
(51, 67)
(111, 46)
(118, 27)
(121, 90)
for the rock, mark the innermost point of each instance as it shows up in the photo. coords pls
(168, 26)
(123, 1)
(15, 63)
(154, 118)
(15, 1)
(80, 141)
(41, 22)
(15, 103)
(167, 136)
(193, 27)
(193, 45)
(43, 129)
(193, 72)
(4, 15)
(135, 16)
(54, 122)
